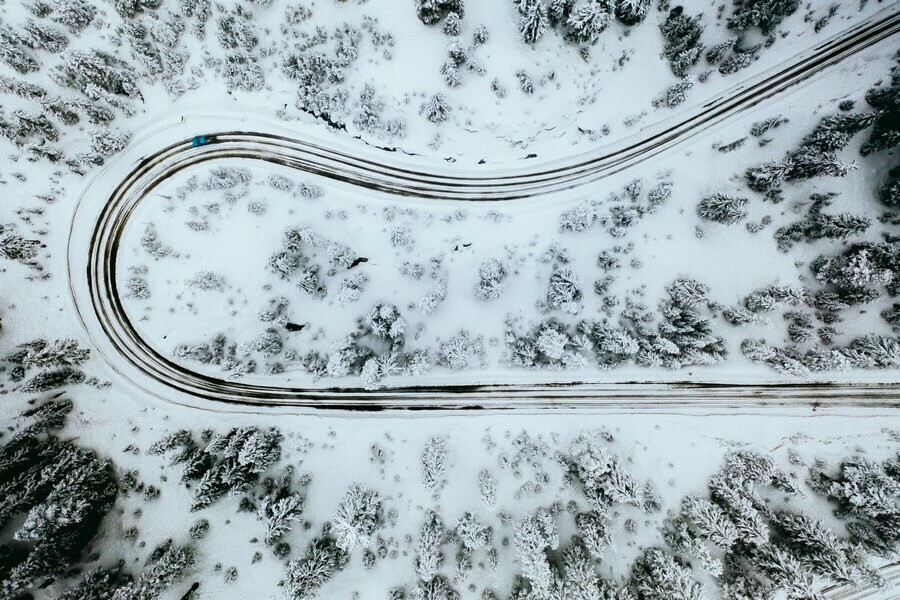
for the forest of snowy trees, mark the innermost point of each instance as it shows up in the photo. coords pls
(763, 245)
(737, 537)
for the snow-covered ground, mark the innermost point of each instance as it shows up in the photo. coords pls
(607, 281)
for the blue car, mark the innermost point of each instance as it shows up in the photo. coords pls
(201, 140)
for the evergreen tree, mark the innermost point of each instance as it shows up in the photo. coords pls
(890, 192)
(321, 561)
(578, 218)
(166, 568)
(436, 109)
(429, 557)
(675, 94)
(461, 351)
(867, 493)
(280, 507)
(886, 131)
(769, 298)
(874, 351)
(547, 345)
(588, 19)
(130, 8)
(13, 54)
(602, 476)
(686, 544)
(74, 14)
(735, 62)
(452, 24)
(721, 208)
(767, 178)
(97, 584)
(558, 11)
(44, 355)
(15, 247)
(764, 550)
(682, 40)
(21, 88)
(62, 491)
(43, 37)
(765, 14)
(577, 579)
(814, 158)
(821, 549)
(632, 12)
(434, 463)
(819, 225)
(358, 515)
(492, 274)
(106, 143)
(594, 531)
(834, 132)
(808, 162)
(95, 73)
(565, 290)
(534, 535)
(533, 22)
(52, 379)
(432, 11)
(656, 575)
(710, 521)
(785, 571)
(437, 588)
(861, 265)
(230, 462)
(721, 51)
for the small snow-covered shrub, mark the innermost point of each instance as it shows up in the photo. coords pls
(565, 291)
(351, 289)
(207, 280)
(487, 487)
(434, 463)
(436, 109)
(492, 273)
(461, 351)
(578, 218)
(430, 302)
(401, 236)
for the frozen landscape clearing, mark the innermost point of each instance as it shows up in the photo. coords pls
(525, 299)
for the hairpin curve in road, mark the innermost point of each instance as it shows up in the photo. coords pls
(97, 232)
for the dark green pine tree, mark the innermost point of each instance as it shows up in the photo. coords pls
(886, 131)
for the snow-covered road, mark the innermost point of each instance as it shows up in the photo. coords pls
(109, 201)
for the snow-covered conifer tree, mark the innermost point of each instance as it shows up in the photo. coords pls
(358, 515)
(765, 14)
(307, 575)
(533, 22)
(436, 109)
(588, 19)
(534, 535)
(722, 208)
(632, 12)
(656, 575)
(429, 557)
(434, 463)
(565, 290)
